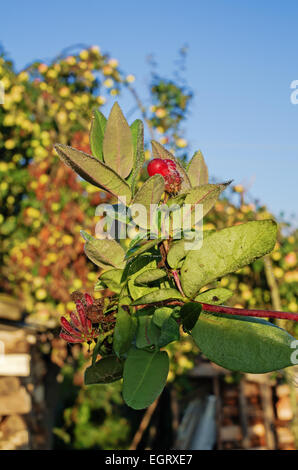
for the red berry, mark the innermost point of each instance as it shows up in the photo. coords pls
(157, 166)
(167, 168)
(170, 164)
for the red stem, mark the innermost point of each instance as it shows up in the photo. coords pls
(178, 283)
(249, 313)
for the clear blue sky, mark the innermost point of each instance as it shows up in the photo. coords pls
(243, 56)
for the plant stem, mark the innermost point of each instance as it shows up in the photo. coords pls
(178, 283)
(249, 313)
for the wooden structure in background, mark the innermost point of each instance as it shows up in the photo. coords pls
(22, 393)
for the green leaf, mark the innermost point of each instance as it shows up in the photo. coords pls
(189, 314)
(150, 275)
(106, 370)
(243, 344)
(139, 265)
(177, 200)
(207, 195)
(178, 250)
(118, 148)
(98, 125)
(159, 151)
(161, 314)
(124, 330)
(158, 296)
(216, 296)
(137, 131)
(149, 193)
(104, 252)
(145, 375)
(149, 310)
(112, 279)
(197, 170)
(176, 253)
(143, 246)
(95, 351)
(226, 251)
(169, 332)
(147, 332)
(94, 171)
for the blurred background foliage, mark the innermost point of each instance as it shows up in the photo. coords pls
(44, 206)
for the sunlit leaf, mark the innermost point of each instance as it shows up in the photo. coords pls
(117, 143)
(243, 344)
(94, 171)
(226, 251)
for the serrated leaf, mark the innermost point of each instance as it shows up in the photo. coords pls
(226, 251)
(197, 170)
(158, 296)
(98, 125)
(243, 344)
(159, 151)
(118, 148)
(106, 370)
(189, 314)
(144, 377)
(217, 296)
(169, 332)
(112, 280)
(105, 252)
(150, 275)
(124, 330)
(206, 195)
(137, 131)
(147, 332)
(161, 314)
(94, 171)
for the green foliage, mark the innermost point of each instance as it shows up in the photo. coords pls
(243, 344)
(148, 276)
(157, 296)
(97, 131)
(137, 131)
(124, 332)
(107, 370)
(206, 195)
(189, 314)
(93, 171)
(118, 147)
(169, 332)
(144, 377)
(217, 296)
(197, 170)
(112, 279)
(44, 205)
(104, 252)
(149, 193)
(147, 334)
(226, 251)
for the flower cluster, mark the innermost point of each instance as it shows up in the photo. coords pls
(79, 329)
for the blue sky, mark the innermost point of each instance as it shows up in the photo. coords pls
(243, 56)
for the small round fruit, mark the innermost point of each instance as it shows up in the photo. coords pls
(157, 167)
